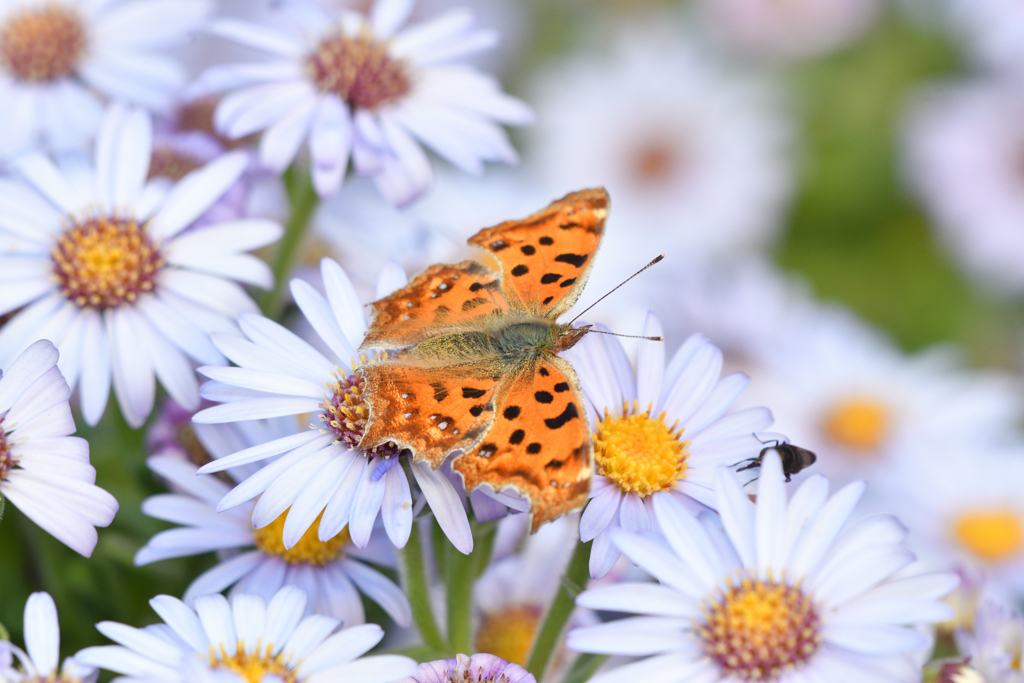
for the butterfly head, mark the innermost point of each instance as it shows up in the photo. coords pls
(567, 336)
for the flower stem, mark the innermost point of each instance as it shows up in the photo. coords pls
(550, 633)
(302, 200)
(413, 569)
(458, 579)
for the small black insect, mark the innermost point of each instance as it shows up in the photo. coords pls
(794, 459)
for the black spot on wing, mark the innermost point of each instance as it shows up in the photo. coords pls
(520, 270)
(573, 259)
(440, 391)
(511, 413)
(470, 392)
(475, 287)
(546, 241)
(543, 372)
(470, 304)
(543, 397)
(570, 413)
(533, 448)
(562, 386)
(528, 249)
(548, 278)
(487, 450)
(517, 437)
(569, 225)
(476, 410)
(547, 300)
(568, 283)
(554, 465)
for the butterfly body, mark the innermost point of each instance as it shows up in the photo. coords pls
(474, 370)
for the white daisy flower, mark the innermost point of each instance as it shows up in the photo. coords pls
(40, 660)
(478, 668)
(964, 508)
(44, 471)
(321, 473)
(790, 30)
(782, 590)
(995, 645)
(961, 158)
(697, 158)
(258, 639)
(860, 402)
(362, 86)
(993, 30)
(328, 571)
(659, 432)
(59, 59)
(514, 592)
(99, 261)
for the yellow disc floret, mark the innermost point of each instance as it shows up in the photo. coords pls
(509, 633)
(858, 423)
(757, 630)
(253, 667)
(991, 535)
(358, 70)
(42, 43)
(639, 453)
(309, 550)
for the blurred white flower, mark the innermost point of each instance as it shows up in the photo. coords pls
(964, 156)
(793, 29)
(660, 432)
(963, 507)
(847, 393)
(361, 86)
(44, 471)
(995, 645)
(322, 474)
(60, 59)
(100, 261)
(249, 636)
(993, 30)
(785, 589)
(328, 571)
(697, 160)
(40, 660)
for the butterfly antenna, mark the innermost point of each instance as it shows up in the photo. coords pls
(661, 256)
(627, 336)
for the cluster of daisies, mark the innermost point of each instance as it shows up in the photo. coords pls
(160, 162)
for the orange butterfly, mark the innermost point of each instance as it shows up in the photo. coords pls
(476, 370)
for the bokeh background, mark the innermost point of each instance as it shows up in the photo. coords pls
(803, 161)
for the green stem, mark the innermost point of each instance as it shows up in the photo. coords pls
(459, 573)
(483, 542)
(550, 634)
(584, 667)
(413, 569)
(302, 199)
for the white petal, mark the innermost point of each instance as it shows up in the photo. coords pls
(446, 504)
(196, 192)
(42, 633)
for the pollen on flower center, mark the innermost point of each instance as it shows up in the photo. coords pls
(253, 667)
(358, 70)
(345, 413)
(105, 262)
(509, 634)
(858, 423)
(639, 453)
(992, 535)
(654, 161)
(757, 630)
(7, 461)
(42, 43)
(167, 162)
(309, 550)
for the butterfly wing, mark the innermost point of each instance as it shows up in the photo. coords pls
(441, 298)
(539, 442)
(546, 258)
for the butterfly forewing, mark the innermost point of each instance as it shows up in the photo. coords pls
(539, 442)
(441, 298)
(546, 258)
(430, 410)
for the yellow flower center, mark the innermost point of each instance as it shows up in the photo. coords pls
(309, 550)
(509, 634)
(345, 413)
(358, 70)
(655, 160)
(758, 630)
(42, 43)
(991, 535)
(858, 423)
(639, 453)
(105, 262)
(53, 678)
(252, 667)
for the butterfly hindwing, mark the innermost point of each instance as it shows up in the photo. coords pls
(429, 410)
(539, 442)
(546, 258)
(441, 298)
